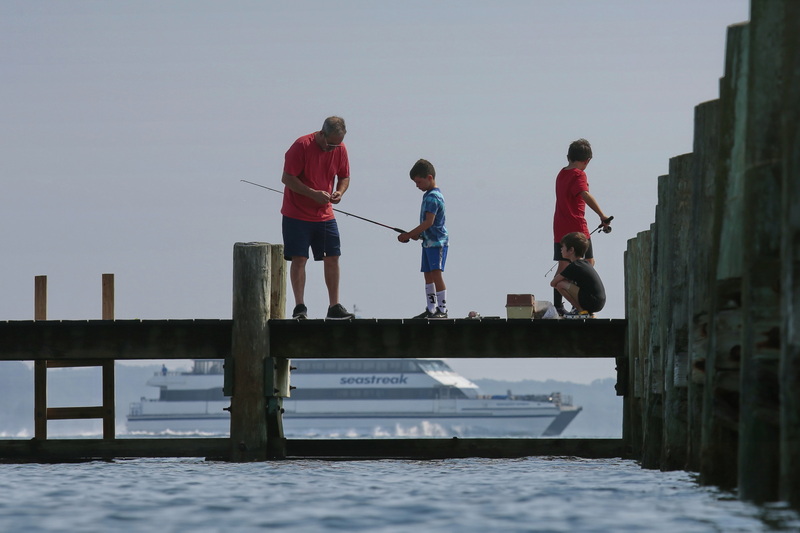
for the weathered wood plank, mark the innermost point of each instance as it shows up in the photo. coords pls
(74, 413)
(192, 339)
(459, 338)
(790, 279)
(759, 428)
(64, 450)
(114, 339)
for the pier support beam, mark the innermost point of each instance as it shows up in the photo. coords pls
(703, 200)
(249, 349)
(790, 268)
(720, 425)
(759, 427)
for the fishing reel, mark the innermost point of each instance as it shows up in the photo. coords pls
(605, 226)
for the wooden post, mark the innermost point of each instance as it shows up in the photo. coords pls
(653, 371)
(759, 429)
(108, 296)
(109, 395)
(675, 319)
(637, 312)
(276, 369)
(790, 268)
(277, 307)
(706, 151)
(249, 349)
(719, 443)
(40, 367)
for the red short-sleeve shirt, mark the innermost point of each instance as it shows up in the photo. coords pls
(317, 169)
(570, 205)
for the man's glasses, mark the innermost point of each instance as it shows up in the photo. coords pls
(328, 145)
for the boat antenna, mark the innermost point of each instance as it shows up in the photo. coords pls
(398, 230)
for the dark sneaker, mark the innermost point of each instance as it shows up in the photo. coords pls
(300, 312)
(338, 312)
(438, 314)
(576, 314)
(561, 311)
(425, 314)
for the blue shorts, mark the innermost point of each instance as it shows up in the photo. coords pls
(557, 254)
(434, 258)
(299, 235)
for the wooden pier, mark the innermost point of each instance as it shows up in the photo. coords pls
(713, 287)
(708, 359)
(257, 345)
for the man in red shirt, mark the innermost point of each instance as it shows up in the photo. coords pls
(572, 197)
(312, 164)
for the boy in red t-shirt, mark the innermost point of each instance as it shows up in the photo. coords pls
(572, 197)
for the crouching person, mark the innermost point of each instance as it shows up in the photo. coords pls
(579, 282)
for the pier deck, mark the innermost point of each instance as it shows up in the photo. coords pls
(211, 339)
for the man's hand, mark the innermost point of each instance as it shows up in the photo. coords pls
(336, 197)
(321, 197)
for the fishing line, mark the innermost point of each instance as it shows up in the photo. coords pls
(398, 230)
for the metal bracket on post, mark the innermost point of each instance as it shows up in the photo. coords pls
(276, 387)
(277, 381)
(622, 376)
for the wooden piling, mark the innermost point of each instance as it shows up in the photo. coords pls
(109, 386)
(40, 367)
(637, 313)
(653, 425)
(759, 428)
(720, 422)
(790, 267)
(249, 349)
(674, 324)
(703, 201)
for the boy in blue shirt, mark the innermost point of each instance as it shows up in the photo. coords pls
(434, 236)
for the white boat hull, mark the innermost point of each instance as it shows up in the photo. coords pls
(351, 398)
(472, 419)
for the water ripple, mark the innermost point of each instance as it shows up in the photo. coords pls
(535, 494)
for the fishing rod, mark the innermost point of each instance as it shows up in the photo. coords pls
(398, 230)
(606, 229)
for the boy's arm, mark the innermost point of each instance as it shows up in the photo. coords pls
(556, 280)
(592, 203)
(416, 232)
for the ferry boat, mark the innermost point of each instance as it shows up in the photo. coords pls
(356, 398)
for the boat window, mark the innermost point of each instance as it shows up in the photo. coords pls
(434, 365)
(355, 366)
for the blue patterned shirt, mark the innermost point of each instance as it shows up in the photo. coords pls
(435, 236)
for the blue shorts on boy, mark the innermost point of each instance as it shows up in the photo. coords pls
(434, 259)
(321, 237)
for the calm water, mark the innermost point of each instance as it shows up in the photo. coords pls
(534, 494)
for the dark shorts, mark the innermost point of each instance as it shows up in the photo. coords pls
(590, 302)
(433, 258)
(299, 235)
(557, 252)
